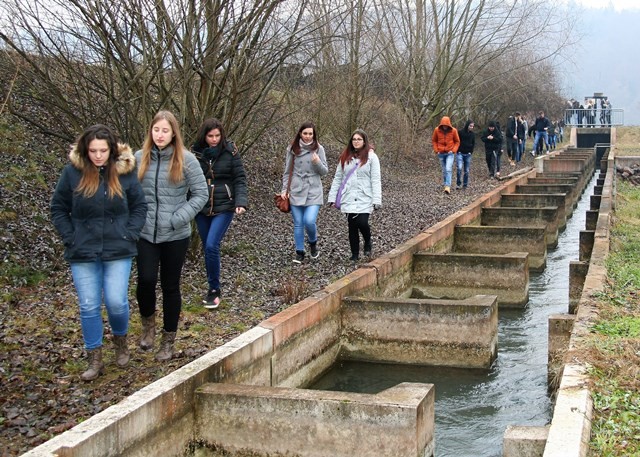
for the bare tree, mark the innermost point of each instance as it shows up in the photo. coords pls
(119, 62)
(447, 57)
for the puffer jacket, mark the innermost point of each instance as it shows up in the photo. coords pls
(363, 190)
(306, 184)
(170, 211)
(99, 227)
(445, 140)
(226, 178)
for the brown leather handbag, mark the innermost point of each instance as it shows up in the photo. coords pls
(283, 203)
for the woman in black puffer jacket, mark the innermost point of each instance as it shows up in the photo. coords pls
(98, 208)
(227, 183)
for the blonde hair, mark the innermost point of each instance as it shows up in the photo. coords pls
(177, 158)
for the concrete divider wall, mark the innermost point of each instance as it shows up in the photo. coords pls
(398, 422)
(503, 240)
(560, 201)
(439, 276)
(549, 218)
(459, 333)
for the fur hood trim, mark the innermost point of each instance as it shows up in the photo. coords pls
(125, 162)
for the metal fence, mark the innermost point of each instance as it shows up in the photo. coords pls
(593, 117)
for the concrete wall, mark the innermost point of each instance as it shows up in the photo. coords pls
(477, 239)
(398, 422)
(571, 424)
(158, 419)
(560, 201)
(460, 333)
(549, 218)
(458, 276)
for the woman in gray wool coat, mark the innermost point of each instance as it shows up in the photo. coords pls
(305, 189)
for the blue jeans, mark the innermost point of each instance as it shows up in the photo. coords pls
(520, 151)
(463, 163)
(304, 218)
(545, 136)
(212, 229)
(446, 162)
(95, 281)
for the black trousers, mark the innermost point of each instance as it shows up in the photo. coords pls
(168, 258)
(358, 223)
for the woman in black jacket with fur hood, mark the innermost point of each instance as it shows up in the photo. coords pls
(227, 183)
(99, 209)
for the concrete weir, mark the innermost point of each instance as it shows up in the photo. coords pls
(432, 301)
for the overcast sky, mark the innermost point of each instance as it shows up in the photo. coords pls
(605, 58)
(618, 5)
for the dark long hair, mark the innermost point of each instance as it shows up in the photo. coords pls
(201, 137)
(295, 144)
(350, 151)
(90, 180)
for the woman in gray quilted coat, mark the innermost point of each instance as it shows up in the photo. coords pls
(175, 190)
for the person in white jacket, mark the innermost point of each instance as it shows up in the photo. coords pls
(356, 190)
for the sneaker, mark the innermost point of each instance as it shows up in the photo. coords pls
(533, 154)
(299, 257)
(313, 250)
(212, 300)
(447, 189)
(458, 187)
(497, 175)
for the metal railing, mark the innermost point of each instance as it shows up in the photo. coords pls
(593, 117)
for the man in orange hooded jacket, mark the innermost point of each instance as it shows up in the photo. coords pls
(446, 142)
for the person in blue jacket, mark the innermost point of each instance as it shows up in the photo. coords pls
(98, 208)
(227, 184)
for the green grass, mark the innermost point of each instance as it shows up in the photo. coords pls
(615, 338)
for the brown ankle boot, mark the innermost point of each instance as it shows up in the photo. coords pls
(166, 346)
(122, 351)
(96, 367)
(148, 332)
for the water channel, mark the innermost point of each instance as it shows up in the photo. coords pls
(474, 407)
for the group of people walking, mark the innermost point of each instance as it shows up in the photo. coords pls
(111, 205)
(356, 189)
(450, 144)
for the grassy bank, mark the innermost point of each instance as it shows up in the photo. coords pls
(615, 339)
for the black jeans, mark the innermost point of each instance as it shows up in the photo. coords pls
(169, 258)
(359, 223)
(493, 162)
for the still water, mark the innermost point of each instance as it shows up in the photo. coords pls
(474, 407)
